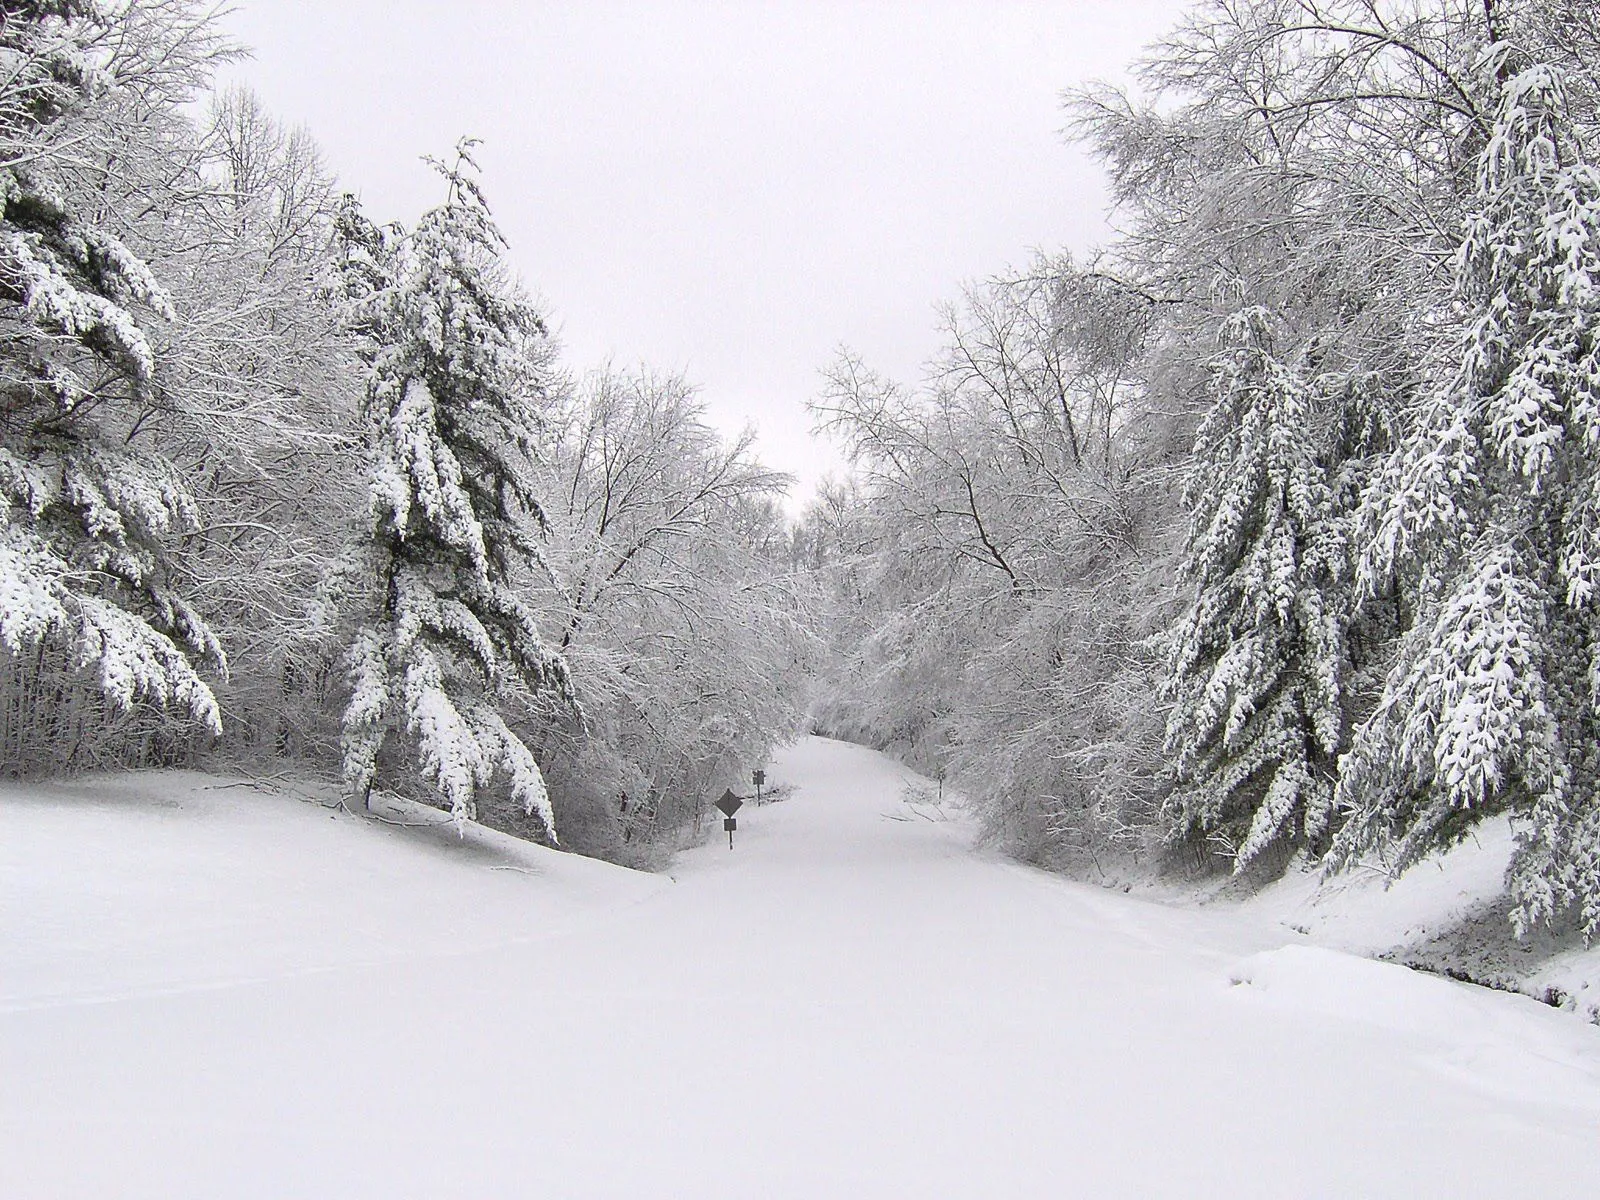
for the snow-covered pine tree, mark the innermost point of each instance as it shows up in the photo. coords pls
(1488, 514)
(458, 363)
(1255, 664)
(85, 510)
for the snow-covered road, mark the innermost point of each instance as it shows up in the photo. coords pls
(240, 997)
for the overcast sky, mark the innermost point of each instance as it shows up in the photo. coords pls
(730, 190)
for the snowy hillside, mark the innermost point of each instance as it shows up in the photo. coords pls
(214, 992)
(146, 884)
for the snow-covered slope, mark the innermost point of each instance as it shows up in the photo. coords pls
(143, 884)
(1449, 915)
(217, 993)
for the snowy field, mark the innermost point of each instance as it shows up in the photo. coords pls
(210, 992)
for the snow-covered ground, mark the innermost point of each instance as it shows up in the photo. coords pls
(1449, 914)
(213, 992)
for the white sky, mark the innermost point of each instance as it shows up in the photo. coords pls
(732, 190)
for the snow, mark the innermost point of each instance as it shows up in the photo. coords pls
(1449, 913)
(209, 991)
(1482, 1042)
(1365, 911)
(161, 883)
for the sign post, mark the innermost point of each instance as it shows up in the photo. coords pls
(758, 777)
(729, 804)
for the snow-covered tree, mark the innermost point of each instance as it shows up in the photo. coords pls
(683, 627)
(258, 388)
(459, 371)
(87, 508)
(1488, 516)
(987, 566)
(266, 389)
(1255, 664)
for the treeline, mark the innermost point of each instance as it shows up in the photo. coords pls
(279, 483)
(1272, 530)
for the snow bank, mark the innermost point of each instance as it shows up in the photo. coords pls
(1448, 915)
(1489, 1042)
(154, 882)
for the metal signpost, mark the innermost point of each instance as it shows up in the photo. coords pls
(729, 804)
(758, 777)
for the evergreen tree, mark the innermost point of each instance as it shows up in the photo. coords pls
(1254, 667)
(457, 363)
(1488, 515)
(86, 510)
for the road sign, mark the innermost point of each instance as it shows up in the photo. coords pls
(729, 804)
(730, 824)
(758, 777)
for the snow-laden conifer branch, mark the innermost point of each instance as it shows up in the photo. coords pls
(1256, 666)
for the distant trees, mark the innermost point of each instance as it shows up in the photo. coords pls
(686, 627)
(987, 576)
